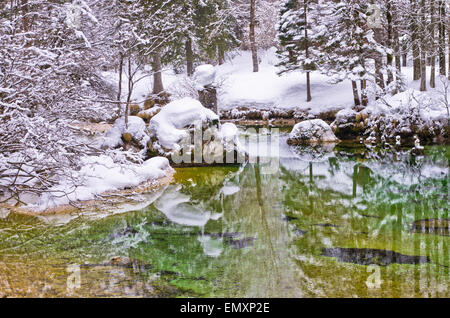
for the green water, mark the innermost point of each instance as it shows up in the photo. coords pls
(237, 231)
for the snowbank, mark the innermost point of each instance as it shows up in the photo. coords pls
(100, 174)
(312, 131)
(168, 127)
(408, 113)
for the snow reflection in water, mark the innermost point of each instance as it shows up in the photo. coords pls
(228, 231)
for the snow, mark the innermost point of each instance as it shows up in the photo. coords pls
(310, 131)
(427, 105)
(205, 75)
(265, 89)
(178, 209)
(167, 126)
(136, 127)
(101, 174)
(345, 116)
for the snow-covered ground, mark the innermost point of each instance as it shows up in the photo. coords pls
(100, 174)
(265, 89)
(239, 86)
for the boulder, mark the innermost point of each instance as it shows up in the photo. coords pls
(311, 132)
(348, 124)
(184, 129)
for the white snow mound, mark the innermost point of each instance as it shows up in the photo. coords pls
(100, 174)
(205, 75)
(167, 126)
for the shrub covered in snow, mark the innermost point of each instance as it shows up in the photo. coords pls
(311, 131)
(407, 114)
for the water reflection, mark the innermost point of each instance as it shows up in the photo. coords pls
(331, 222)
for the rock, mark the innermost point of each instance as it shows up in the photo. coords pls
(208, 97)
(127, 262)
(239, 244)
(149, 103)
(160, 99)
(326, 225)
(348, 124)
(368, 256)
(432, 226)
(189, 134)
(311, 131)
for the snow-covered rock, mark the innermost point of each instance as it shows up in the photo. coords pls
(345, 117)
(184, 130)
(137, 130)
(311, 131)
(205, 75)
(171, 124)
(348, 124)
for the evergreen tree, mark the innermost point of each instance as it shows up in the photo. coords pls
(297, 38)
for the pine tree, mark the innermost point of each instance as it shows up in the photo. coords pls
(296, 38)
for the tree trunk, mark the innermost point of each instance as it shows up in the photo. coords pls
(379, 77)
(189, 58)
(414, 40)
(390, 57)
(221, 54)
(355, 93)
(364, 100)
(308, 80)
(130, 91)
(432, 46)
(441, 42)
(252, 36)
(423, 66)
(119, 93)
(157, 76)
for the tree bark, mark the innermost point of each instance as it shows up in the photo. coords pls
(252, 36)
(441, 42)
(432, 46)
(119, 93)
(414, 40)
(364, 100)
(221, 54)
(355, 94)
(390, 57)
(308, 80)
(157, 76)
(130, 91)
(423, 66)
(189, 58)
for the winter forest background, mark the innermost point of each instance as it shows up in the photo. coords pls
(67, 63)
